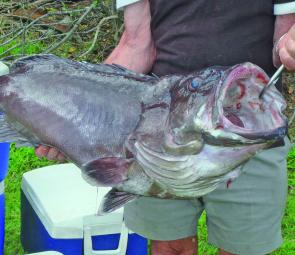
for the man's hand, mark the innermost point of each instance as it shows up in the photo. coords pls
(286, 49)
(284, 42)
(50, 153)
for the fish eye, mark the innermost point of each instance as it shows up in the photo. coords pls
(194, 85)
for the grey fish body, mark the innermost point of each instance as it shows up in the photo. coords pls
(74, 107)
(174, 137)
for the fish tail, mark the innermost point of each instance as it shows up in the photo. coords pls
(8, 134)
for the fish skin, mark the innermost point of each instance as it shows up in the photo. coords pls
(171, 137)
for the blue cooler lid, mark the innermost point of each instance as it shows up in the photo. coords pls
(62, 199)
(46, 253)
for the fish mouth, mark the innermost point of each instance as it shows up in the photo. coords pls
(239, 109)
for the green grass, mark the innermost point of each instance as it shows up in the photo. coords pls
(21, 160)
(24, 159)
(16, 47)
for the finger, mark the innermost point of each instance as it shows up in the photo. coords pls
(290, 47)
(42, 151)
(52, 154)
(287, 60)
(61, 157)
(292, 32)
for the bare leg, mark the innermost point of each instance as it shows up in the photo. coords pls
(222, 252)
(186, 246)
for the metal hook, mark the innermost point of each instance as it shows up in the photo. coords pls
(273, 80)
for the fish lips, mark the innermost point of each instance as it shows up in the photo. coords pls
(240, 114)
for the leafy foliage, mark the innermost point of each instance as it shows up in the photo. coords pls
(82, 30)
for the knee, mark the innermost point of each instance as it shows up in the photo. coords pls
(186, 246)
(222, 252)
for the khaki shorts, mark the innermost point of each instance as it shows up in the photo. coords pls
(244, 218)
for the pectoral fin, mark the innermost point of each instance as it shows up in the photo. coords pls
(107, 171)
(114, 200)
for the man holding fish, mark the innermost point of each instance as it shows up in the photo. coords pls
(167, 37)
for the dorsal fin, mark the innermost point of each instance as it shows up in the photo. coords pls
(56, 63)
(26, 62)
(127, 72)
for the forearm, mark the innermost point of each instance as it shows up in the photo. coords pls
(283, 24)
(135, 55)
(136, 49)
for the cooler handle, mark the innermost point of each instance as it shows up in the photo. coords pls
(122, 247)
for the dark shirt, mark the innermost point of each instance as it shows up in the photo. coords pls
(193, 34)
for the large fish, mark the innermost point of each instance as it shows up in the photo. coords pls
(178, 136)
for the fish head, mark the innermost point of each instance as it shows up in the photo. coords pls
(189, 96)
(221, 106)
(240, 116)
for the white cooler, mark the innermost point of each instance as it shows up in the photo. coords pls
(58, 213)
